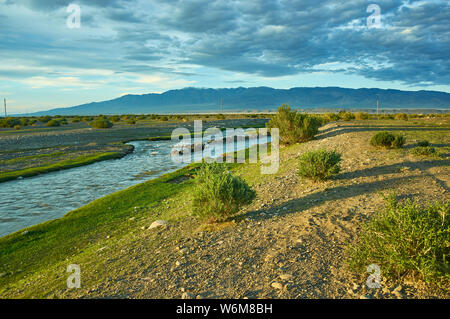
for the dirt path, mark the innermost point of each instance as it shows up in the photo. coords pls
(291, 242)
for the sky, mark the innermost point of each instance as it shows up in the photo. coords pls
(48, 59)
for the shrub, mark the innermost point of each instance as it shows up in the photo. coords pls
(424, 151)
(45, 119)
(131, 122)
(387, 117)
(401, 116)
(53, 123)
(17, 127)
(361, 116)
(220, 116)
(164, 118)
(115, 118)
(388, 140)
(294, 127)
(218, 194)
(346, 116)
(423, 143)
(101, 123)
(76, 119)
(319, 165)
(406, 239)
(332, 117)
(9, 122)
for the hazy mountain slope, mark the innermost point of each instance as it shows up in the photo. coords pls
(259, 98)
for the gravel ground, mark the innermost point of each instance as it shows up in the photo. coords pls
(290, 243)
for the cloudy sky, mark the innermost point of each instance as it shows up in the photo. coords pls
(143, 46)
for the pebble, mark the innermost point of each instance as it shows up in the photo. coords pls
(158, 223)
(277, 285)
(187, 295)
(286, 277)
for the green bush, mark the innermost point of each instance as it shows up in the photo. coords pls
(53, 123)
(346, 116)
(131, 121)
(218, 194)
(332, 117)
(101, 123)
(424, 151)
(423, 143)
(388, 140)
(9, 122)
(406, 239)
(361, 116)
(319, 165)
(294, 127)
(45, 119)
(115, 118)
(401, 116)
(164, 118)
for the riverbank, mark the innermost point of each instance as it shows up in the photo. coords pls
(290, 243)
(34, 152)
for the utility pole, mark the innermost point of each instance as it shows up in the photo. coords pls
(4, 100)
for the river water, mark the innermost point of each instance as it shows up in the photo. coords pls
(30, 201)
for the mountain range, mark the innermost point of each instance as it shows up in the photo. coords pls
(195, 100)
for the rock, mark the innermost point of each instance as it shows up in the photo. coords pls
(177, 263)
(187, 295)
(364, 297)
(132, 218)
(158, 223)
(286, 277)
(199, 297)
(398, 289)
(277, 285)
(25, 232)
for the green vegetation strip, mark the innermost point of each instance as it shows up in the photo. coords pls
(80, 161)
(24, 158)
(33, 249)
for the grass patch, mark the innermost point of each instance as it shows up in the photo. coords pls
(80, 161)
(52, 242)
(25, 158)
(406, 239)
(424, 151)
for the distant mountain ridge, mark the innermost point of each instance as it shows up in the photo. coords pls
(189, 100)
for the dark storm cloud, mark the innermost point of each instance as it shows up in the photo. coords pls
(268, 38)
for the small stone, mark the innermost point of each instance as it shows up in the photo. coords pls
(286, 277)
(277, 285)
(25, 232)
(187, 295)
(158, 223)
(398, 289)
(199, 297)
(364, 297)
(132, 218)
(177, 263)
